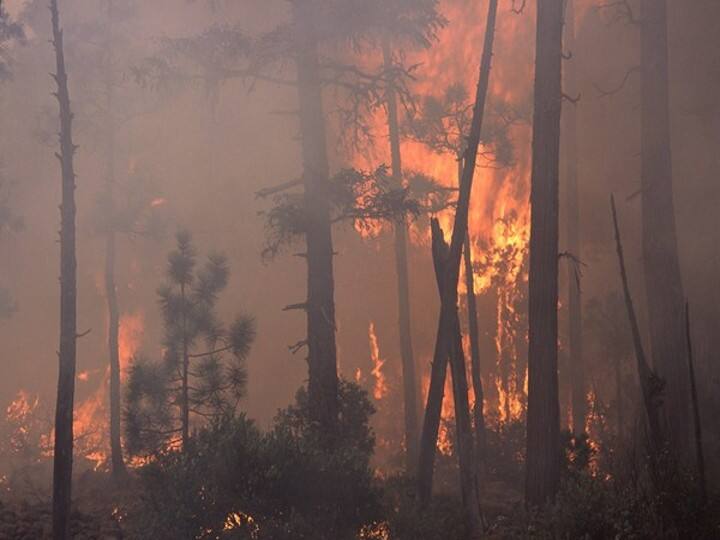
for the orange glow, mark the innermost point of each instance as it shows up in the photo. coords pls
(380, 389)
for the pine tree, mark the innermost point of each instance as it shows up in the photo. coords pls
(202, 374)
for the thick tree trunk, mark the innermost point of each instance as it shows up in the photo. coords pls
(320, 306)
(663, 282)
(478, 414)
(649, 384)
(543, 414)
(572, 209)
(448, 297)
(116, 456)
(410, 400)
(63, 451)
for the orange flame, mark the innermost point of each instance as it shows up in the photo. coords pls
(380, 389)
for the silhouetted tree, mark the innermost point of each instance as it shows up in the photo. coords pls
(63, 449)
(543, 414)
(192, 381)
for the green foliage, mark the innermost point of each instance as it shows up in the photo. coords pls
(203, 363)
(233, 481)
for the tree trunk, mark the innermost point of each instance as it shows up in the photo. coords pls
(464, 438)
(451, 272)
(116, 456)
(63, 451)
(572, 208)
(699, 455)
(185, 387)
(320, 306)
(543, 414)
(478, 414)
(663, 281)
(401, 267)
(649, 383)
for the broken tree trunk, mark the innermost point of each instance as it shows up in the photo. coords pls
(661, 262)
(699, 455)
(410, 400)
(63, 450)
(543, 413)
(463, 428)
(320, 306)
(650, 385)
(448, 308)
(577, 371)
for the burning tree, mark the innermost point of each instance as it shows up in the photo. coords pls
(192, 382)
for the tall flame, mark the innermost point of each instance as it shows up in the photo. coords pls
(380, 389)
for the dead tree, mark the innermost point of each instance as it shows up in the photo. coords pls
(320, 303)
(63, 450)
(449, 297)
(699, 455)
(572, 211)
(543, 412)
(661, 262)
(650, 384)
(410, 400)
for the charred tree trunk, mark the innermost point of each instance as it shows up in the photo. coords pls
(663, 280)
(63, 451)
(320, 305)
(448, 297)
(401, 267)
(478, 415)
(185, 376)
(650, 385)
(543, 414)
(464, 438)
(116, 457)
(572, 208)
(699, 455)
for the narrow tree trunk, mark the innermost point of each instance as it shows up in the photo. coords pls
(185, 387)
(699, 455)
(451, 273)
(663, 280)
(649, 383)
(401, 267)
(478, 415)
(543, 415)
(63, 451)
(463, 429)
(577, 369)
(320, 306)
(116, 456)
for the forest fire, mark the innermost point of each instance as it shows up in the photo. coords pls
(380, 388)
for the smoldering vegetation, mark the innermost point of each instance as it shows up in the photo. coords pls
(270, 270)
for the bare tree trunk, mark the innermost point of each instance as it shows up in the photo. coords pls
(464, 439)
(185, 387)
(401, 267)
(543, 414)
(577, 368)
(63, 451)
(663, 281)
(649, 383)
(448, 297)
(116, 457)
(699, 455)
(478, 415)
(320, 306)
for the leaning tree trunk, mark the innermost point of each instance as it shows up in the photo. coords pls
(661, 262)
(410, 400)
(320, 304)
(63, 451)
(650, 385)
(116, 456)
(543, 413)
(572, 212)
(448, 297)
